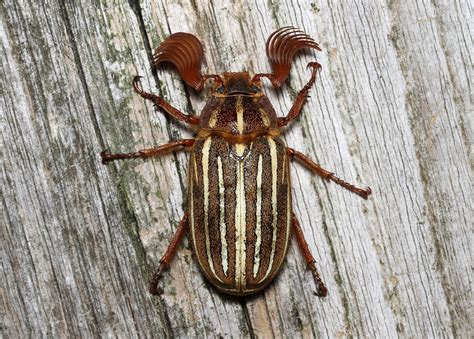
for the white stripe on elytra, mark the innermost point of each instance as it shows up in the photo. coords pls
(222, 224)
(284, 169)
(240, 115)
(288, 206)
(258, 217)
(240, 217)
(205, 170)
(273, 157)
(195, 168)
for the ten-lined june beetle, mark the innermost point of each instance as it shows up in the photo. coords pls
(239, 214)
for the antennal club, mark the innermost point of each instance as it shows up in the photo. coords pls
(282, 45)
(185, 52)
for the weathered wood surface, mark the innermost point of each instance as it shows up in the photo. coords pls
(392, 109)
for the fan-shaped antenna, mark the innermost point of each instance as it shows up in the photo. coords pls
(282, 45)
(185, 52)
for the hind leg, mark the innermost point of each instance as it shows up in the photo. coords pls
(321, 290)
(169, 254)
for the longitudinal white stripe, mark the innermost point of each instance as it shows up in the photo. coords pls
(195, 169)
(289, 212)
(243, 224)
(258, 218)
(222, 224)
(240, 216)
(205, 176)
(240, 115)
(283, 175)
(273, 157)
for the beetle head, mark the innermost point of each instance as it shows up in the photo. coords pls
(238, 83)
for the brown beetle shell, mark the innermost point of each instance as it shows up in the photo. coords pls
(239, 204)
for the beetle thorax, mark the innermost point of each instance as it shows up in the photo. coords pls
(238, 109)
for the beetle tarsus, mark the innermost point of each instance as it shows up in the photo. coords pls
(104, 155)
(153, 287)
(364, 193)
(109, 157)
(321, 289)
(137, 87)
(314, 65)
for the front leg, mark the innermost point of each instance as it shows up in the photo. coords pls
(163, 105)
(300, 99)
(148, 152)
(314, 167)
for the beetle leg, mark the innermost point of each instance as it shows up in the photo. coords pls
(321, 290)
(300, 99)
(163, 105)
(147, 152)
(165, 260)
(310, 164)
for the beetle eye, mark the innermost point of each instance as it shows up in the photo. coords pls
(220, 90)
(255, 89)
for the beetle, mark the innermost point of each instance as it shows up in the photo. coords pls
(239, 215)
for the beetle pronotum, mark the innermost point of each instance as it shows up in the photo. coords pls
(239, 213)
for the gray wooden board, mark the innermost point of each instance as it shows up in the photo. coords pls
(392, 108)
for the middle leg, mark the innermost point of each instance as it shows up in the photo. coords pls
(314, 167)
(147, 152)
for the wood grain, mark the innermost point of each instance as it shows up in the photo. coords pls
(392, 108)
